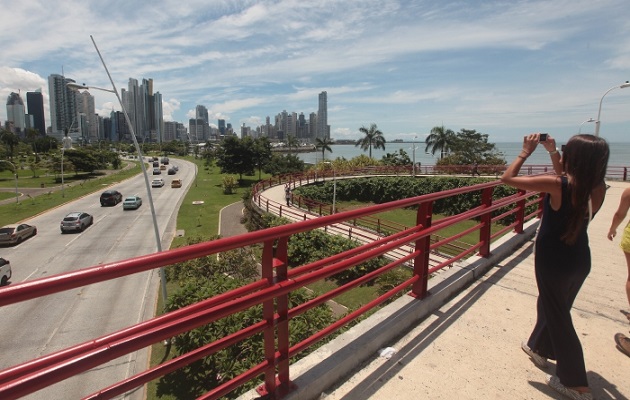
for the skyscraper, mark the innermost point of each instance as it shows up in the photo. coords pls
(322, 117)
(16, 114)
(35, 103)
(63, 106)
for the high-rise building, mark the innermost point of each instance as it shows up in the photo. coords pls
(322, 117)
(88, 120)
(63, 106)
(222, 127)
(202, 113)
(35, 104)
(16, 115)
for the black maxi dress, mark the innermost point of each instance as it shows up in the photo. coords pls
(561, 270)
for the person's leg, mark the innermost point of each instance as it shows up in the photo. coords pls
(628, 278)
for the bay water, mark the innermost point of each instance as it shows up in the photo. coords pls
(619, 153)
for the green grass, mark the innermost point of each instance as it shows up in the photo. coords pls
(75, 186)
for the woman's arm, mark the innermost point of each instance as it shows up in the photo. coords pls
(620, 214)
(540, 183)
(554, 154)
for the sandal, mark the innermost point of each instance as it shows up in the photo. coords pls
(626, 313)
(623, 343)
(556, 385)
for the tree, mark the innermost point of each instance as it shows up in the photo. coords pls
(84, 159)
(440, 139)
(262, 154)
(397, 159)
(373, 138)
(10, 139)
(323, 145)
(234, 156)
(281, 164)
(292, 142)
(469, 146)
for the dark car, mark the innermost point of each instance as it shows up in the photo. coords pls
(15, 234)
(156, 164)
(76, 221)
(157, 171)
(111, 198)
(172, 171)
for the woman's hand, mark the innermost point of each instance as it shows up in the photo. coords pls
(611, 234)
(530, 142)
(549, 144)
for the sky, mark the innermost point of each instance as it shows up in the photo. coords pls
(503, 68)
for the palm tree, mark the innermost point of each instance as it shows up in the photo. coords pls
(373, 137)
(324, 145)
(292, 142)
(440, 139)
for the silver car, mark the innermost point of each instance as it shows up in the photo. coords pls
(132, 202)
(76, 221)
(15, 234)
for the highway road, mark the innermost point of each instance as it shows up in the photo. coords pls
(38, 327)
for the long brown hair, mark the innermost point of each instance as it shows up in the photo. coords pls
(585, 160)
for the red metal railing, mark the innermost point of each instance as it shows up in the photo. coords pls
(271, 291)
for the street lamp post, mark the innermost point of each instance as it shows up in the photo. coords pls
(334, 186)
(15, 177)
(588, 120)
(414, 157)
(597, 121)
(140, 157)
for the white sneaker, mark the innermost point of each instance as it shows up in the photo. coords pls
(556, 385)
(539, 361)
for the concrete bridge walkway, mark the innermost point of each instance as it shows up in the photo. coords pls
(468, 347)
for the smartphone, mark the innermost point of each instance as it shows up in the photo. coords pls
(543, 137)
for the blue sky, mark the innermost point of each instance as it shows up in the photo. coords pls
(505, 68)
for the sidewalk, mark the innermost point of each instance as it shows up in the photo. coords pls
(469, 348)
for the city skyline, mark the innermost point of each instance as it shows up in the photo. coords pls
(504, 69)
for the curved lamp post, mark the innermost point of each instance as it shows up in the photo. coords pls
(15, 176)
(588, 120)
(597, 121)
(334, 185)
(158, 242)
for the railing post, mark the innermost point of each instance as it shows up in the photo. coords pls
(269, 338)
(423, 247)
(486, 222)
(283, 317)
(520, 213)
(625, 173)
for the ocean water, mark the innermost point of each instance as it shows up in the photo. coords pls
(619, 153)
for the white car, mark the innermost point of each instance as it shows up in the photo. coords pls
(132, 203)
(157, 182)
(5, 271)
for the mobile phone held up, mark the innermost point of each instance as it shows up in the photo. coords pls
(543, 137)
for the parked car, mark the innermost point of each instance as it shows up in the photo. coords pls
(157, 182)
(157, 171)
(176, 183)
(172, 171)
(132, 202)
(76, 221)
(111, 198)
(14, 234)
(5, 271)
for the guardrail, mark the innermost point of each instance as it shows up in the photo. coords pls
(271, 291)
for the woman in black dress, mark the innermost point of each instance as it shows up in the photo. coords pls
(563, 259)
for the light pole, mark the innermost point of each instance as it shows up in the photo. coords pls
(597, 121)
(414, 156)
(158, 243)
(14, 176)
(334, 185)
(588, 120)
